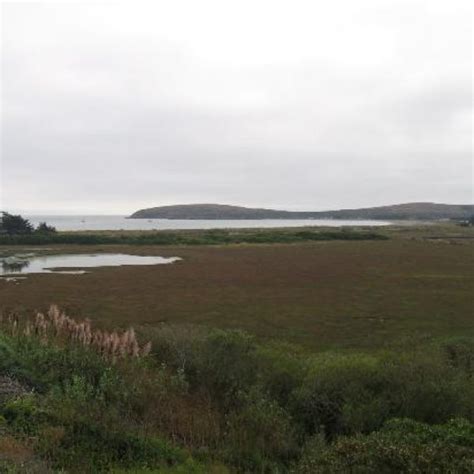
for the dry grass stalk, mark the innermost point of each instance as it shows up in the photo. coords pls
(56, 325)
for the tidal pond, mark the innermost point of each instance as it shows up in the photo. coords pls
(73, 263)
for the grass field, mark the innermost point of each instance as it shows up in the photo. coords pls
(356, 294)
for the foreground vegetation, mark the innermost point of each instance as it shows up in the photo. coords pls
(219, 401)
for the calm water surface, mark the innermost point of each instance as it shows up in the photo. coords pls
(72, 263)
(122, 223)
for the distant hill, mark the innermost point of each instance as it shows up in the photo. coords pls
(209, 211)
(410, 211)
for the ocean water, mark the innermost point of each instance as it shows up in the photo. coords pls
(123, 223)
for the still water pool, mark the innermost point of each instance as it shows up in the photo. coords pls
(73, 263)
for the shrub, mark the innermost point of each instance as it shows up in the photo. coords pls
(86, 447)
(227, 364)
(176, 345)
(282, 369)
(261, 436)
(24, 414)
(402, 445)
(422, 386)
(44, 228)
(338, 395)
(347, 394)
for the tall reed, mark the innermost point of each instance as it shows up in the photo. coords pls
(55, 325)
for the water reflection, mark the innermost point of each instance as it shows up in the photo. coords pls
(11, 265)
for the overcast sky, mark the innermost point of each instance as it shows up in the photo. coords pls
(107, 108)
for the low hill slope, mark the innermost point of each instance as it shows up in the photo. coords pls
(416, 211)
(209, 211)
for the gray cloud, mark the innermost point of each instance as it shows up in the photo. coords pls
(112, 107)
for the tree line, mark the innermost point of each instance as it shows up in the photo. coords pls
(11, 224)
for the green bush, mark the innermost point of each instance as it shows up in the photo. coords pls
(261, 436)
(338, 395)
(282, 369)
(422, 386)
(358, 393)
(176, 345)
(226, 364)
(44, 228)
(9, 360)
(24, 415)
(87, 447)
(401, 446)
(42, 365)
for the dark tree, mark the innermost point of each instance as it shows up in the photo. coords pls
(14, 225)
(44, 228)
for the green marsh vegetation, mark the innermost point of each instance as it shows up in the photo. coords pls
(208, 237)
(202, 400)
